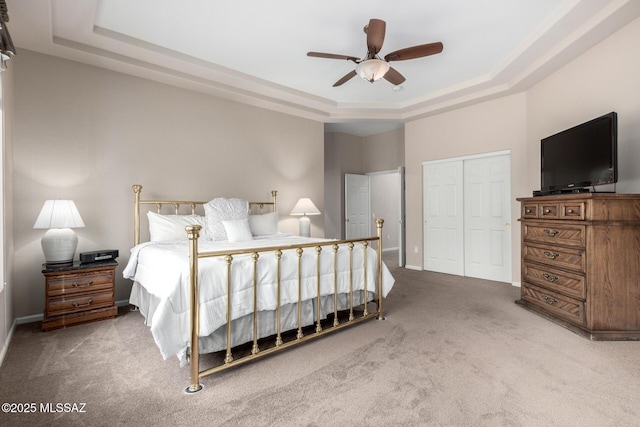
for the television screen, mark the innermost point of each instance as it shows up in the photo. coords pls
(583, 156)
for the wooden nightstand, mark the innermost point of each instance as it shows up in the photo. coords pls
(78, 293)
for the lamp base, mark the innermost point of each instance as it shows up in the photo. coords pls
(305, 226)
(59, 246)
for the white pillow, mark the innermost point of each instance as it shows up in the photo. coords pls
(221, 209)
(237, 230)
(171, 227)
(264, 225)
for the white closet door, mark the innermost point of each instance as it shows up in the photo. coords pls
(487, 218)
(443, 217)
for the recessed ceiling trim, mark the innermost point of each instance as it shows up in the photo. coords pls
(67, 29)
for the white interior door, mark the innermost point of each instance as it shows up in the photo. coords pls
(487, 218)
(357, 206)
(443, 217)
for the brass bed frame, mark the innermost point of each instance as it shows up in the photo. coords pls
(193, 233)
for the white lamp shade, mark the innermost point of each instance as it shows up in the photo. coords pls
(59, 243)
(372, 69)
(59, 214)
(305, 207)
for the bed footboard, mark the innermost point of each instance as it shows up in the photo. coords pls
(371, 284)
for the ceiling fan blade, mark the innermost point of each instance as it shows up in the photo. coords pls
(332, 56)
(394, 77)
(415, 52)
(346, 78)
(375, 35)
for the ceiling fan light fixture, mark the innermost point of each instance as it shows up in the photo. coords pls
(372, 69)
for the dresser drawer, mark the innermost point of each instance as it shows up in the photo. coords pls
(571, 259)
(71, 283)
(530, 210)
(549, 210)
(572, 210)
(570, 284)
(74, 304)
(562, 306)
(554, 210)
(564, 234)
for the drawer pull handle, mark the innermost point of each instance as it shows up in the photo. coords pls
(547, 211)
(551, 233)
(549, 300)
(87, 304)
(550, 277)
(570, 210)
(76, 285)
(528, 210)
(551, 255)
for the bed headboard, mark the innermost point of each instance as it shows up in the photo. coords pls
(191, 204)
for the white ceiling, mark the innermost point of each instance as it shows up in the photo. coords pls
(254, 51)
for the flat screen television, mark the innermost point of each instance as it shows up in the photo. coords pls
(583, 156)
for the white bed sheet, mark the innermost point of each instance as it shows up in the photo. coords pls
(160, 271)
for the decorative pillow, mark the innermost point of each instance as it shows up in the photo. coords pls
(237, 230)
(221, 209)
(264, 225)
(171, 227)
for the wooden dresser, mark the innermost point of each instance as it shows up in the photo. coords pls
(79, 293)
(581, 262)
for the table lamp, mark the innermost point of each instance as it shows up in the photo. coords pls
(305, 207)
(59, 243)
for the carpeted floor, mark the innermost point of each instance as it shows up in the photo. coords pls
(453, 351)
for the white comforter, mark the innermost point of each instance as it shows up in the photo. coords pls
(162, 269)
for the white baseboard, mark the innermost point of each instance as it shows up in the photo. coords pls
(516, 284)
(5, 347)
(413, 267)
(29, 319)
(389, 249)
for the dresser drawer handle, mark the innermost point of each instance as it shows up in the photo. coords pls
(76, 285)
(551, 233)
(549, 300)
(527, 210)
(547, 211)
(551, 255)
(87, 304)
(550, 277)
(569, 210)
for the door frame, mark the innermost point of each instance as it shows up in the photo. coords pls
(401, 224)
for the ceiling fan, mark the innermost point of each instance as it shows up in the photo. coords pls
(371, 67)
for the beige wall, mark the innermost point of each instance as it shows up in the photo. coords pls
(603, 79)
(383, 151)
(88, 134)
(343, 154)
(346, 153)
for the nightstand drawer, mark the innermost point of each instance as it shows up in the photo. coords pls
(80, 282)
(69, 305)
